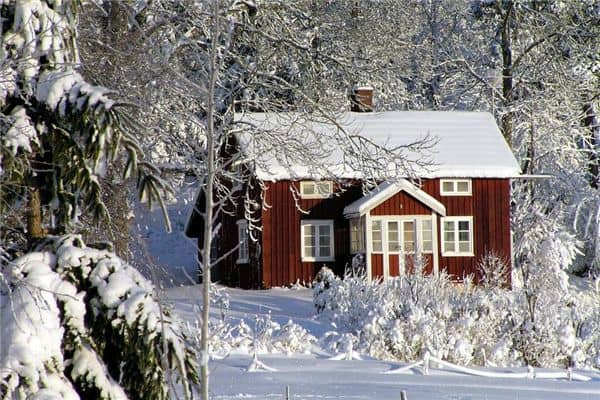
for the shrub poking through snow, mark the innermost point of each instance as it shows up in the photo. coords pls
(494, 271)
(325, 277)
(77, 322)
(219, 298)
(407, 317)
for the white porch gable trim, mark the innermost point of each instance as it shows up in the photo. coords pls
(385, 191)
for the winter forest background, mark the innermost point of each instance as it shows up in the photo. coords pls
(103, 103)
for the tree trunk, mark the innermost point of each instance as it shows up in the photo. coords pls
(507, 74)
(433, 86)
(590, 120)
(35, 229)
(213, 68)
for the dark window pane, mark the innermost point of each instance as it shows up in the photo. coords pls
(448, 186)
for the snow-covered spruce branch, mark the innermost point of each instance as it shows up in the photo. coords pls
(104, 334)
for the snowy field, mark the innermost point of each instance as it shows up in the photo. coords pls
(315, 376)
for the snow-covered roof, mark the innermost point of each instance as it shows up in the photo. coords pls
(385, 191)
(467, 144)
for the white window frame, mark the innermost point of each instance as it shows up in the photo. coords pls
(455, 191)
(316, 223)
(243, 242)
(457, 252)
(316, 194)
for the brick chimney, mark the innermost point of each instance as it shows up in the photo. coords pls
(361, 99)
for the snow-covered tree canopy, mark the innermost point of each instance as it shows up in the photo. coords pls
(60, 133)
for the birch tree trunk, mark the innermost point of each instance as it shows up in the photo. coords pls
(507, 72)
(213, 71)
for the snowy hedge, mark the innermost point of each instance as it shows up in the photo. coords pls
(404, 318)
(77, 322)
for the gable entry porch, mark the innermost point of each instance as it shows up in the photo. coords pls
(396, 226)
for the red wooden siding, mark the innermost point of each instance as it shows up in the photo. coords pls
(395, 269)
(228, 271)
(489, 205)
(401, 204)
(281, 219)
(394, 264)
(377, 265)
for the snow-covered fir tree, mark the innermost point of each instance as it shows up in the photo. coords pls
(77, 322)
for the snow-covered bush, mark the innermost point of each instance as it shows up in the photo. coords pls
(342, 345)
(80, 322)
(264, 331)
(292, 338)
(406, 317)
(269, 336)
(266, 337)
(324, 279)
(494, 270)
(347, 301)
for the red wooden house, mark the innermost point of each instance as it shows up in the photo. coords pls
(457, 212)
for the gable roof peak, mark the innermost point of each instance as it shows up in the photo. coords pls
(387, 190)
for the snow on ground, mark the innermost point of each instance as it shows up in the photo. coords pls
(314, 376)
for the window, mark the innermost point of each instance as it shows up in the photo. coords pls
(317, 240)
(393, 236)
(376, 237)
(243, 250)
(316, 189)
(357, 236)
(457, 236)
(401, 235)
(455, 187)
(408, 228)
(426, 236)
